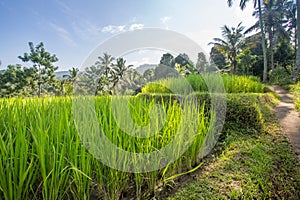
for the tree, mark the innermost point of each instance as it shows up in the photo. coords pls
(16, 81)
(217, 58)
(291, 14)
(231, 45)
(168, 60)
(90, 81)
(257, 3)
(105, 62)
(184, 64)
(118, 71)
(104, 75)
(285, 56)
(245, 60)
(297, 64)
(67, 84)
(42, 62)
(201, 62)
(149, 75)
(274, 15)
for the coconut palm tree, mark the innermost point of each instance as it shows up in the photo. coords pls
(231, 45)
(257, 3)
(274, 15)
(297, 64)
(118, 71)
(72, 76)
(105, 63)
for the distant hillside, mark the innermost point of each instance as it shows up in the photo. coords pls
(142, 68)
(60, 74)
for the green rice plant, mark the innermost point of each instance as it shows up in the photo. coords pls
(42, 156)
(242, 84)
(200, 83)
(17, 163)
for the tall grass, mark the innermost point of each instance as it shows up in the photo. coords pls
(296, 92)
(232, 84)
(42, 155)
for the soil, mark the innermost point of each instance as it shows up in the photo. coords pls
(289, 118)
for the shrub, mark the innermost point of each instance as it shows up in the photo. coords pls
(296, 93)
(279, 76)
(155, 88)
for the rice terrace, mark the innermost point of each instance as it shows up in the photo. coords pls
(128, 112)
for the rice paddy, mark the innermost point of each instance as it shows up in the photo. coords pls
(73, 147)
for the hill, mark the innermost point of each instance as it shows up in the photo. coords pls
(142, 68)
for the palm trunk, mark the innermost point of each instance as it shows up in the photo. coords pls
(271, 47)
(39, 89)
(297, 64)
(263, 39)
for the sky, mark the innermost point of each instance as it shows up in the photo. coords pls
(72, 29)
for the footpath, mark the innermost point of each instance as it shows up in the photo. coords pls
(289, 118)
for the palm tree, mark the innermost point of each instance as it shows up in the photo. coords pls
(118, 71)
(72, 76)
(105, 63)
(274, 13)
(257, 3)
(291, 14)
(231, 45)
(297, 64)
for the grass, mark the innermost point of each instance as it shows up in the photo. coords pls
(296, 93)
(198, 83)
(249, 164)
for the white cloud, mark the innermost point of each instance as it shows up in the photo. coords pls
(113, 29)
(136, 27)
(121, 28)
(165, 20)
(63, 33)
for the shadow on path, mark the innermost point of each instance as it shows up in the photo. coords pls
(289, 118)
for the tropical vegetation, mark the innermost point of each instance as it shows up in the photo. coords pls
(51, 145)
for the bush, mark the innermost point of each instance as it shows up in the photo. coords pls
(155, 88)
(296, 92)
(279, 76)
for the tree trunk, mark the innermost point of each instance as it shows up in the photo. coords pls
(271, 47)
(263, 37)
(39, 89)
(297, 64)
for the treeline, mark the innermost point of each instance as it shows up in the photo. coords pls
(108, 75)
(38, 79)
(273, 44)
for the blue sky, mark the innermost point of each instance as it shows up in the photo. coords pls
(71, 29)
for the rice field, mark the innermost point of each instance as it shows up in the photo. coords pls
(73, 147)
(199, 83)
(45, 155)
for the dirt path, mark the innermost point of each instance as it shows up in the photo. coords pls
(289, 118)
